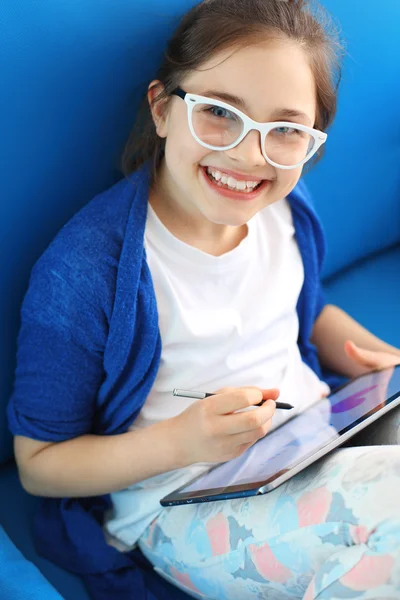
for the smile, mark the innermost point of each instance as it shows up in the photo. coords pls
(223, 179)
(230, 187)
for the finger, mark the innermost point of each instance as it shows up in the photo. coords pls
(267, 396)
(250, 420)
(235, 399)
(253, 435)
(367, 358)
(229, 400)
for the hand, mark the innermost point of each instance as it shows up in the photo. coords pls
(211, 430)
(370, 359)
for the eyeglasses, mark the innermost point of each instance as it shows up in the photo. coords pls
(219, 126)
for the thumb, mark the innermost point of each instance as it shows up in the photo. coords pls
(360, 355)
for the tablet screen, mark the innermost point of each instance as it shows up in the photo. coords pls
(306, 433)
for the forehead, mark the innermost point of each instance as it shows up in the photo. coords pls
(267, 75)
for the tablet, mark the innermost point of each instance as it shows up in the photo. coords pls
(297, 443)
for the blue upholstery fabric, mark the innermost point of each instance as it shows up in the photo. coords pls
(72, 73)
(19, 578)
(72, 83)
(356, 187)
(16, 515)
(370, 291)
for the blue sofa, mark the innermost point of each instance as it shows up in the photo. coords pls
(72, 73)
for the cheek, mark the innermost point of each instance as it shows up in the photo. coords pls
(287, 180)
(181, 148)
(183, 156)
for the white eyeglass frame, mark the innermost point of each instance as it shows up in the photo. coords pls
(248, 125)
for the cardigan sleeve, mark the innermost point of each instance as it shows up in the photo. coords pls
(60, 349)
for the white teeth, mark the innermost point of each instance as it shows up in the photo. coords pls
(231, 181)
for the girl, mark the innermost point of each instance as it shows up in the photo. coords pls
(201, 270)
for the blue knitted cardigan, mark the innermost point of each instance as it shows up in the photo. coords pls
(88, 353)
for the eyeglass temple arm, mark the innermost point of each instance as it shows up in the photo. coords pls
(178, 92)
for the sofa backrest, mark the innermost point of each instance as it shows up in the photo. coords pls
(356, 187)
(72, 76)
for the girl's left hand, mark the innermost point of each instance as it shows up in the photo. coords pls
(370, 359)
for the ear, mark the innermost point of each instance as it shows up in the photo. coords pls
(158, 107)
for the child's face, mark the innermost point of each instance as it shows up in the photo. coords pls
(269, 77)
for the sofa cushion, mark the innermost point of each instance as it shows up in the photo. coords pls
(369, 291)
(16, 514)
(19, 578)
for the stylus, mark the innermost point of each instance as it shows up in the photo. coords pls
(201, 395)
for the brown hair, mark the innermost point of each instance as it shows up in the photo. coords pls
(214, 25)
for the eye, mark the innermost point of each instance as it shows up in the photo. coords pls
(221, 113)
(287, 130)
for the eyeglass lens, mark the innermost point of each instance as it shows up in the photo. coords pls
(220, 127)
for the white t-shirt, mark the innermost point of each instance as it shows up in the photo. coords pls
(229, 320)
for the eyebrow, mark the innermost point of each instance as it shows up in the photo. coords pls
(240, 103)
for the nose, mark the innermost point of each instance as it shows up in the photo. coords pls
(248, 151)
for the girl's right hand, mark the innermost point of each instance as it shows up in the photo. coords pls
(210, 430)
